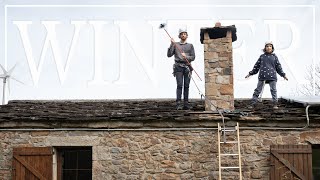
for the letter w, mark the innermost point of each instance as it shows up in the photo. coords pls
(51, 40)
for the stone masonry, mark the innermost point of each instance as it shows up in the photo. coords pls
(218, 67)
(153, 155)
(150, 140)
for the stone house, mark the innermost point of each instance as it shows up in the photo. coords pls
(148, 139)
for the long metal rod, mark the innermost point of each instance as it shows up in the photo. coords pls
(107, 129)
(152, 129)
(269, 128)
(307, 114)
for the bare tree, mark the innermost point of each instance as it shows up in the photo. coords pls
(308, 89)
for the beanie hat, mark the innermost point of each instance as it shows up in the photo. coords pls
(181, 30)
(268, 42)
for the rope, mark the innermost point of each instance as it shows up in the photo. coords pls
(216, 107)
(201, 94)
(207, 99)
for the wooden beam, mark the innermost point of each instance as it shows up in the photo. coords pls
(288, 164)
(295, 151)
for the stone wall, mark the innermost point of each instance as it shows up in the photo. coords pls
(156, 154)
(218, 72)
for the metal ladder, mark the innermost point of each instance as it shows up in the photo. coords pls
(222, 131)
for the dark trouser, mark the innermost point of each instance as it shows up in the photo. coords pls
(183, 80)
(273, 89)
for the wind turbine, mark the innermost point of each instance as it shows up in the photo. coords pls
(6, 76)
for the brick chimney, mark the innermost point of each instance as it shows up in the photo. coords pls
(218, 65)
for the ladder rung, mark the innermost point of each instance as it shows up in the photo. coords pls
(228, 127)
(229, 142)
(236, 167)
(228, 130)
(229, 154)
(234, 155)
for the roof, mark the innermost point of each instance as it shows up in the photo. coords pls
(144, 114)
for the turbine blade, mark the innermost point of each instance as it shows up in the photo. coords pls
(2, 75)
(4, 71)
(10, 71)
(17, 80)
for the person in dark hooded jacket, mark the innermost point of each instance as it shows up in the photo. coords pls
(268, 66)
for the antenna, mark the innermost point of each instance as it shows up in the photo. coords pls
(6, 76)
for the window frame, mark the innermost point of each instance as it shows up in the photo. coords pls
(59, 157)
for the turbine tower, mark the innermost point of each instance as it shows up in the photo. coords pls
(6, 76)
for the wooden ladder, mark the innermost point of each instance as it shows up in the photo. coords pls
(222, 132)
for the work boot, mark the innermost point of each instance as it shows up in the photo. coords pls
(179, 105)
(275, 106)
(251, 106)
(186, 106)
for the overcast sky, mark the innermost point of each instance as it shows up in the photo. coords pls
(114, 49)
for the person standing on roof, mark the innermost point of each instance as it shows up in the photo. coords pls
(268, 66)
(181, 70)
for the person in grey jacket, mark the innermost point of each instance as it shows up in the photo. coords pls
(268, 66)
(181, 68)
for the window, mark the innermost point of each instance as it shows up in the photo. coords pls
(74, 163)
(316, 161)
(62, 163)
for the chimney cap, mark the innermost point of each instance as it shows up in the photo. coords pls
(218, 32)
